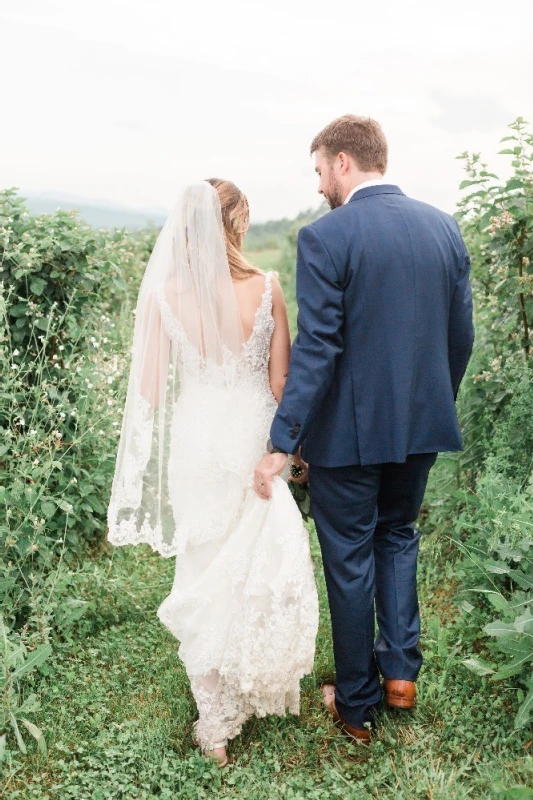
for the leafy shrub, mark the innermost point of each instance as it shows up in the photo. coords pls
(497, 222)
(499, 550)
(494, 530)
(18, 661)
(66, 295)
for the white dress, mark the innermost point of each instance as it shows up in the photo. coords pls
(243, 603)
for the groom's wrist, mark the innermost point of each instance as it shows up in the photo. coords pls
(271, 449)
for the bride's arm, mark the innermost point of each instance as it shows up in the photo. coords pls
(280, 346)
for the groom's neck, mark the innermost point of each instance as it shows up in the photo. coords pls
(359, 178)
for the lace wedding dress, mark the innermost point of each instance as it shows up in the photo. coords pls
(243, 604)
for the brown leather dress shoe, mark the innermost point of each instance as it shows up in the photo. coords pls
(400, 694)
(328, 695)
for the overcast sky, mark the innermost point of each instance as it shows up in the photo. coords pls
(128, 100)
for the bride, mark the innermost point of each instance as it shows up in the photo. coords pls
(209, 360)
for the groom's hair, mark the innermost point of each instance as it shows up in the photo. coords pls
(360, 137)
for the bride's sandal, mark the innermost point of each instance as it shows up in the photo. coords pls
(218, 753)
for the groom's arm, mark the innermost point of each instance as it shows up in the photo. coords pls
(460, 326)
(318, 343)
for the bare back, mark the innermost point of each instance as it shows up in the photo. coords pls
(249, 294)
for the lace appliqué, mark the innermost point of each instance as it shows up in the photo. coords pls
(246, 614)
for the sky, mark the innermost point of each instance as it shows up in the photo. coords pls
(128, 101)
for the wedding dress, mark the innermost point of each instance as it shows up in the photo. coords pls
(243, 604)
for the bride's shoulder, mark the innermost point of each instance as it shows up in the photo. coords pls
(261, 282)
(278, 297)
(270, 276)
(270, 280)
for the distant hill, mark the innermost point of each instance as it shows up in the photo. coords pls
(107, 214)
(99, 213)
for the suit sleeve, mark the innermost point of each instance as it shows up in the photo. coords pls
(318, 344)
(460, 328)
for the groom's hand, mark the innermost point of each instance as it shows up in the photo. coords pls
(302, 469)
(270, 465)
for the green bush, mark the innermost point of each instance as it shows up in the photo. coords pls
(66, 295)
(495, 528)
(497, 222)
(498, 577)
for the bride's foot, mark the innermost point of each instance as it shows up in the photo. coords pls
(218, 753)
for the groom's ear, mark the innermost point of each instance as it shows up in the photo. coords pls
(343, 160)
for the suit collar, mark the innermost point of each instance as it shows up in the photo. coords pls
(383, 188)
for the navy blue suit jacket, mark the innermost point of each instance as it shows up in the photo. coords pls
(384, 333)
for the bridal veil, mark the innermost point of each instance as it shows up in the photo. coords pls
(186, 295)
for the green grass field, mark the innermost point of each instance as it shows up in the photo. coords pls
(265, 259)
(117, 711)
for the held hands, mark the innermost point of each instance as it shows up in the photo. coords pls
(270, 465)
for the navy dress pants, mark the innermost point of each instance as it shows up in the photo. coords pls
(364, 517)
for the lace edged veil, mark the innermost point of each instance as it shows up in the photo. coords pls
(188, 271)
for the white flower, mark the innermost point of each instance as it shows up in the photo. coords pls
(61, 347)
(16, 352)
(33, 432)
(110, 380)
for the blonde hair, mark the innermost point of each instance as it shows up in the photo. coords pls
(235, 211)
(360, 137)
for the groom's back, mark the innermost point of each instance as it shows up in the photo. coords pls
(399, 262)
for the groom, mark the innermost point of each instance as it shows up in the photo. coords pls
(384, 337)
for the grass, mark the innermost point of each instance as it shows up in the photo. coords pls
(117, 711)
(264, 259)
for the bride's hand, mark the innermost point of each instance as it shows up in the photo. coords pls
(302, 469)
(270, 465)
